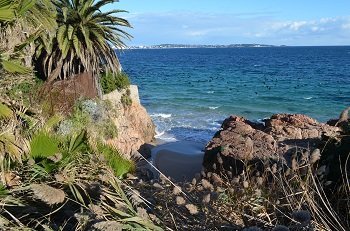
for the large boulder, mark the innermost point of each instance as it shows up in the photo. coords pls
(281, 136)
(135, 126)
(239, 140)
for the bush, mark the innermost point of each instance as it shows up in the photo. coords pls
(111, 82)
(120, 165)
(43, 145)
(126, 100)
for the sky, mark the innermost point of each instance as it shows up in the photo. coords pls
(275, 22)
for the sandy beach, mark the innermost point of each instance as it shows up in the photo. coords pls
(179, 160)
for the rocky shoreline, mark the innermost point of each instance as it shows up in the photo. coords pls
(278, 138)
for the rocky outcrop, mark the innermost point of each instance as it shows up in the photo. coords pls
(281, 136)
(134, 125)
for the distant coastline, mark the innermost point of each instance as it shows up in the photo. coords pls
(184, 46)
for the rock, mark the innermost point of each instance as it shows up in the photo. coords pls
(135, 126)
(241, 140)
(238, 140)
(295, 127)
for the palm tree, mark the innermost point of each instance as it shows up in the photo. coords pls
(85, 39)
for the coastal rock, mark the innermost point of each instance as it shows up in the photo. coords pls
(242, 140)
(238, 140)
(295, 126)
(135, 126)
(296, 131)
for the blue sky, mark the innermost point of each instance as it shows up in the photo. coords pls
(297, 22)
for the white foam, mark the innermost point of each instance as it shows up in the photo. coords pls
(162, 115)
(307, 98)
(213, 108)
(210, 92)
(159, 134)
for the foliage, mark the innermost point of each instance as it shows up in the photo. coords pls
(26, 91)
(43, 145)
(84, 39)
(120, 165)
(126, 100)
(32, 14)
(92, 115)
(5, 112)
(110, 81)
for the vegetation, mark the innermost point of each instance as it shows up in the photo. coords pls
(53, 175)
(58, 172)
(120, 165)
(84, 40)
(111, 82)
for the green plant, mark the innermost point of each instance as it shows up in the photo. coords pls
(109, 129)
(84, 39)
(43, 145)
(120, 165)
(5, 112)
(126, 100)
(110, 81)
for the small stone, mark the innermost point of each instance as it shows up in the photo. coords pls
(180, 200)
(192, 209)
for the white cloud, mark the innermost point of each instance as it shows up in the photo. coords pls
(186, 27)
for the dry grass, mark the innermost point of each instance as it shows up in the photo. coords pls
(278, 197)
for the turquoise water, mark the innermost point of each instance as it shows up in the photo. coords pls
(189, 92)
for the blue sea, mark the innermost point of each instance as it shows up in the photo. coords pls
(189, 92)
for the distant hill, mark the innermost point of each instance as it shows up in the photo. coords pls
(169, 46)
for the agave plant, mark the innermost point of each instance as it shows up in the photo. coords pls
(85, 39)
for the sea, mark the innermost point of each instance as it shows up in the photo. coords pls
(189, 92)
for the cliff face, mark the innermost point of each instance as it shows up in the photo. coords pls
(134, 125)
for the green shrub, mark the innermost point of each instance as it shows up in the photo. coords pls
(126, 100)
(108, 129)
(26, 91)
(119, 164)
(43, 145)
(111, 82)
